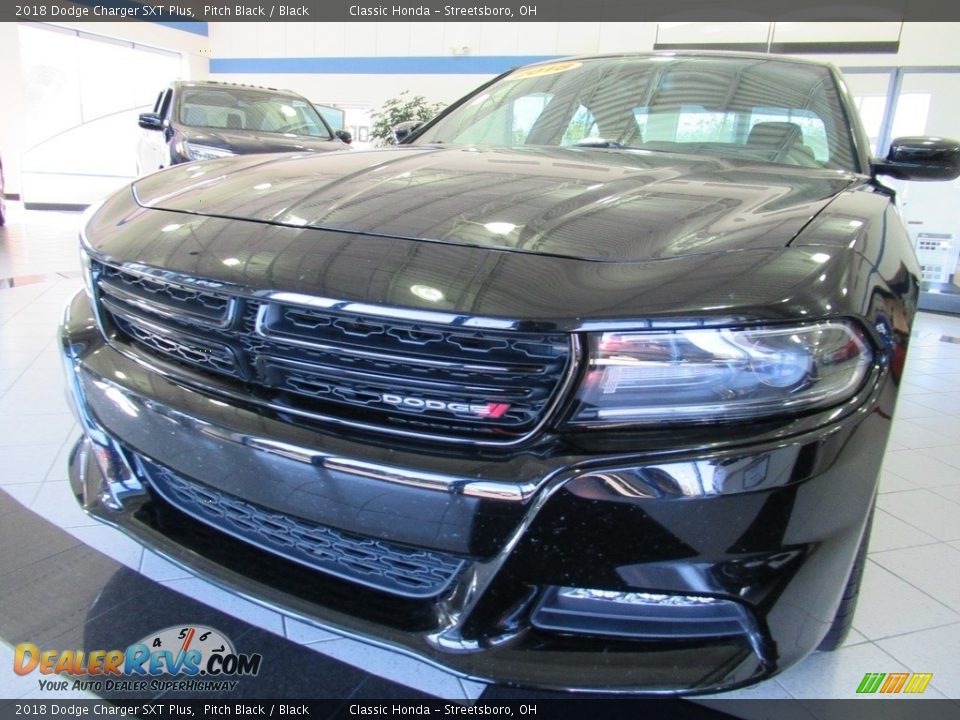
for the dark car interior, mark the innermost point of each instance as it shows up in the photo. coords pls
(683, 106)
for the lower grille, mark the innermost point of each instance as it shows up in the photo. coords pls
(391, 568)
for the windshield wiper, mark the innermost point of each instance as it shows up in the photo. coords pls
(600, 143)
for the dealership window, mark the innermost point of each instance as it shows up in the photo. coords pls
(524, 114)
(898, 102)
(927, 105)
(871, 109)
(695, 124)
(582, 125)
(913, 112)
(502, 123)
(82, 93)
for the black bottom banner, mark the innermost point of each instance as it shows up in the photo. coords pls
(559, 709)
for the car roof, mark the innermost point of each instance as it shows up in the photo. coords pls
(220, 84)
(691, 54)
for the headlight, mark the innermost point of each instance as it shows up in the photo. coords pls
(205, 152)
(714, 375)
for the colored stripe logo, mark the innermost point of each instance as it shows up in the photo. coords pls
(891, 683)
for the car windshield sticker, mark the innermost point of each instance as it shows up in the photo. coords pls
(540, 70)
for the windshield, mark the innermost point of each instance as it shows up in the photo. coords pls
(754, 109)
(245, 109)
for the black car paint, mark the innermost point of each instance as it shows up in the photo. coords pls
(649, 205)
(817, 245)
(668, 270)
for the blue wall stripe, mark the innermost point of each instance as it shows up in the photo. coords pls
(197, 28)
(424, 65)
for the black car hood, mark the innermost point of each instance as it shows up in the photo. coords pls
(243, 142)
(579, 203)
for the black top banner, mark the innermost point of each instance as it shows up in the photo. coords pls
(483, 10)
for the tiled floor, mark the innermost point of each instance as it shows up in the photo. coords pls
(104, 609)
(908, 618)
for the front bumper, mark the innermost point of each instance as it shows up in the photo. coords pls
(769, 529)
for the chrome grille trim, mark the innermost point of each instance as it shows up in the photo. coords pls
(428, 316)
(145, 292)
(266, 334)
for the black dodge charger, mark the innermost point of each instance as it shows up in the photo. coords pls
(586, 384)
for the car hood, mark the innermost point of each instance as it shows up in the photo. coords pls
(579, 203)
(244, 142)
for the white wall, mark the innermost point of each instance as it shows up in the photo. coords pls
(399, 39)
(298, 39)
(196, 49)
(920, 44)
(11, 109)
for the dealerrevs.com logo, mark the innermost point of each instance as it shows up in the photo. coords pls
(190, 658)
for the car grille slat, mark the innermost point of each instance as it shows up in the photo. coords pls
(199, 352)
(386, 566)
(392, 336)
(400, 375)
(166, 298)
(368, 393)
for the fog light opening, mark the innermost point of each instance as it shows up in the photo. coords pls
(640, 615)
(117, 481)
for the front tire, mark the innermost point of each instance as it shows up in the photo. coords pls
(843, 620)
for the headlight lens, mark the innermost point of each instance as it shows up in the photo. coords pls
(205, 152)
(714, 375)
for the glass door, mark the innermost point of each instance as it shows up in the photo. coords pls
(870, 89)
(929, 104)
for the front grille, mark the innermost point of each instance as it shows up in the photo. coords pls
(180, 346)
(397, 374)
(161, 296)
(385, 566)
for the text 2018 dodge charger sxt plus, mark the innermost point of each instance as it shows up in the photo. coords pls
(586, 385)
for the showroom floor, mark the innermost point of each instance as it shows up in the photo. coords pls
(57, 591)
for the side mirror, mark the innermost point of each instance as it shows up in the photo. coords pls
(921, 158)
(344, 136)
(150, 121)
(401, 131)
